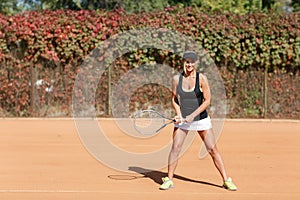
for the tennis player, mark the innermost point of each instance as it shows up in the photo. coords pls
(190, 99)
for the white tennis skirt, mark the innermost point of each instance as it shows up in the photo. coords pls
(201, 125)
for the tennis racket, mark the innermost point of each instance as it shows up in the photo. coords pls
(149, 122)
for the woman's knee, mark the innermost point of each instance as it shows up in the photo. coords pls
(178, 140)
(176, 148)
(213, 151)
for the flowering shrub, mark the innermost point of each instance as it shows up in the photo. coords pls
(49, 46)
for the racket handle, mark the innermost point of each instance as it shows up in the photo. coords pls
(181, 119)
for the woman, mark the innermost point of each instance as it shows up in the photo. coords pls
(190, 99)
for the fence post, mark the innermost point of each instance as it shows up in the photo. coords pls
(109, 90)
(265, 92)
(32, 91)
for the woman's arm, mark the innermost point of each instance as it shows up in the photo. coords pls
(175, 101)
(206, 98)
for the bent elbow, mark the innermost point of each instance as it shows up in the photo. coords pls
(207, 103)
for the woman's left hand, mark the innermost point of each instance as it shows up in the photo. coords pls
(189, 118)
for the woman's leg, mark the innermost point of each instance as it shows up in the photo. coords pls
(210, 143)
(179, 136)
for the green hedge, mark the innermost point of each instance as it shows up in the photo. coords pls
(51, 45)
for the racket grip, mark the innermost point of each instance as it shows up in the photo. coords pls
(182, 121)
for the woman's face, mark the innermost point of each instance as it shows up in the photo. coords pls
(189, 65)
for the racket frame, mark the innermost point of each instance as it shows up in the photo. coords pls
(172, 120)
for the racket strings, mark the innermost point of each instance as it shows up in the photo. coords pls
(148, 122)
(144, 119)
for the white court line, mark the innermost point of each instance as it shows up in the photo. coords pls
(137, 192)
(112, 119)
(46, 191)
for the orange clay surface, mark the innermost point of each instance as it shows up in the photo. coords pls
(44, 159)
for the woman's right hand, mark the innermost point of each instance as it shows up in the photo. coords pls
(178, 120)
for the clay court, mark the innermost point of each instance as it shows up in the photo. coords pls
(45, 159)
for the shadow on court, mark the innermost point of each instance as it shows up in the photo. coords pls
(157, 176)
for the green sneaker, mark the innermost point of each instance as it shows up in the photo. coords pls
(167, 184)
(229, 185)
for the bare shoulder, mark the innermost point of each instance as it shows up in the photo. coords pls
(175, 78)
(203, 78)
